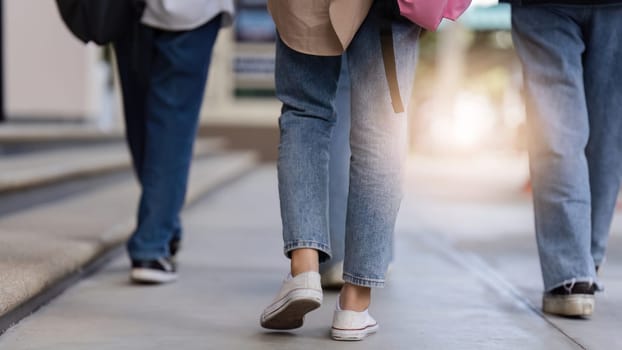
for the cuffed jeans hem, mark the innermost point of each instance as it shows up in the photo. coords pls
(363, 282)
(323, 249)
(599, 286)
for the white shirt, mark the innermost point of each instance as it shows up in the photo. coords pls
(177, 15)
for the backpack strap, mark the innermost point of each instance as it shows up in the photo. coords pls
(388, 57)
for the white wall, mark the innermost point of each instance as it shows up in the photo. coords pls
(48, 72)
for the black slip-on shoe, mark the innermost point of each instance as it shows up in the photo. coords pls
(174, 245)
(571, 300)
(162, 270)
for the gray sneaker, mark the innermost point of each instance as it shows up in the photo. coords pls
(571, 300)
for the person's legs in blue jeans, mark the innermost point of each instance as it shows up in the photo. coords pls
(307, 85)
(306, 124)
(338, 179)
(602, 77)
(133, 69)
(172, 79)
(573, 98)
(558, 123)
(378, 141)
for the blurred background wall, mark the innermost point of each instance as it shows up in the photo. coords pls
(466, 97)
(49, 74)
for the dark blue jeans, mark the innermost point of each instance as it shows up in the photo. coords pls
(163, 76)
(573, 83)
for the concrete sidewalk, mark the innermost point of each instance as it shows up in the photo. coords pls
(26, 171)
(439, 297)
(482, 209)
(48, 245)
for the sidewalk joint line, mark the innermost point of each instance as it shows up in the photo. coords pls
(492, 278)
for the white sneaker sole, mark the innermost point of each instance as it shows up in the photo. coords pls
(580, 305)
(353, 334)
(289, 312)
(141, 275)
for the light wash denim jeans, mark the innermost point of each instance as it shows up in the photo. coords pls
(307, 87)
(339, 170)
(162, 93)
(573, 82)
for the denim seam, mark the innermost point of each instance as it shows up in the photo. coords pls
(298, 244)
(363, 281)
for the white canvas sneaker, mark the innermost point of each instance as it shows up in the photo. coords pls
(352, 325)
(298, 296)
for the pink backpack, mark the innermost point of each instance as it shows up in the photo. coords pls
(429, 13)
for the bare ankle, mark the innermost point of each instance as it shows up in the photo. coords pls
(354, 298)
(304, 260)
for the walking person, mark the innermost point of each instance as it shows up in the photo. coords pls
(308, 64)
(163, 69)
(571, 54)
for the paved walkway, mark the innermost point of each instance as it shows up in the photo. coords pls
(478, 207)
(47, 241)
(22, 172)
(450, 288)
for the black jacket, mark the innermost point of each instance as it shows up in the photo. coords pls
(100, 21)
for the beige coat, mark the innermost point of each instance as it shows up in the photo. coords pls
(318, 27)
